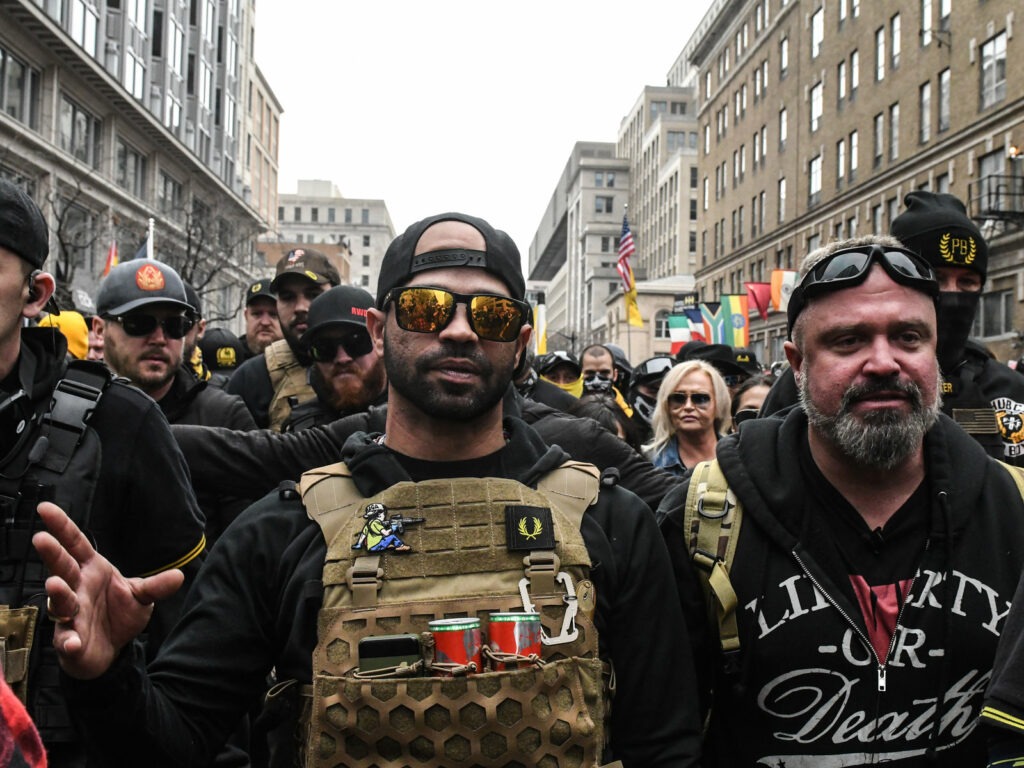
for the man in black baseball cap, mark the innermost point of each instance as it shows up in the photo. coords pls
(272, 384)
(347, 372)
(262, 328)
(98, 447)
(223, 352)
(489, 506)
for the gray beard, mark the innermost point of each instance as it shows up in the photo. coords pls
(881, 440)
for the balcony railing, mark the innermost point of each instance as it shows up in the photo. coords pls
(997, 198)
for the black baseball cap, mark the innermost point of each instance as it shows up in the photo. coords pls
(259, 290)
(307, 263)
(139, 282)
(22, 226)
(222, 350)
(500, 256)
(719, 355)
(341, 305)
(548, 362)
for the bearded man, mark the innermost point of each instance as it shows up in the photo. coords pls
(878, 546)
(347, 373)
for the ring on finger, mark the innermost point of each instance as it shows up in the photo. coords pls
(57, 618)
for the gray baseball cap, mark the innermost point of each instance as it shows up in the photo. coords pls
(137, 283)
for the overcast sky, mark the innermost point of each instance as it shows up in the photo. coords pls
(466, 105)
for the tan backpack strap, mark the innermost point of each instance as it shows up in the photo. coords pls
(329, 504)
(1017, 473)
(573, 486)
(711, 520)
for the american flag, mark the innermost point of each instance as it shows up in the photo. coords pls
(626, 249)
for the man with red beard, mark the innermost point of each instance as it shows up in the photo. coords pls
(347, 373)
(879, 546)
(273, 383)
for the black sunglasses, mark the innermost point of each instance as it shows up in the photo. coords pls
(355, 345)
(699, 399)
(141, 324)
(850, 266)
(744, 414)
(425, 309)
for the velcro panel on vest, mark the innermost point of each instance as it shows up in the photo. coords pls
(463, 531)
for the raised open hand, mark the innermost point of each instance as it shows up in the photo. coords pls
(96, 609)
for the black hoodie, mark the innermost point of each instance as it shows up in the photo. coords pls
(254, 607)
(808, 689)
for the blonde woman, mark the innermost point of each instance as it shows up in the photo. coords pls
(691, 413)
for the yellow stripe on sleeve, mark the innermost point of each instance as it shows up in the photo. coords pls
(183, 560)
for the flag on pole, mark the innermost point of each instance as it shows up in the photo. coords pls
(760, 295)
(698, 331)
(783, 283)
(111, 261)
(626, 249)
(540, 328)
(735, 312)
(679, 331)
(714, 322)
(145, 250)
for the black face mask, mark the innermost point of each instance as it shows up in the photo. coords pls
(956, 311)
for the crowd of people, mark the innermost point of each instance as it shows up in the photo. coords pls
(298, 546)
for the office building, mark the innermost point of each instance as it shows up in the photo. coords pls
(816, 118)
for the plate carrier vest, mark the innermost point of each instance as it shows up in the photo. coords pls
(550, 713)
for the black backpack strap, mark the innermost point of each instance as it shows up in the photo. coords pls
(74, 399)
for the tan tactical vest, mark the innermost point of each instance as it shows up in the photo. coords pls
(289, 380)
(551, 713)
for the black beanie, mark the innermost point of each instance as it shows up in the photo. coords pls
(937, 227)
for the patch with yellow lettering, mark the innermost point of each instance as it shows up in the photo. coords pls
(528, 528)
(960, 251)
(1010, 418)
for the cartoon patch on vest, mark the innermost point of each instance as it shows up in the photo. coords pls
(1010, 420)
(381, 532)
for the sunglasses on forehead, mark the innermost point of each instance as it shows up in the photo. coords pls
(140, 324)
(655, 366)
(355, 345)
(850, 267)
(425, 309)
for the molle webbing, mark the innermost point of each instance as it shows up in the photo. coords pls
(459, 565)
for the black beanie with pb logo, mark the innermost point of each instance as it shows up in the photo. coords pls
(936, 225)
